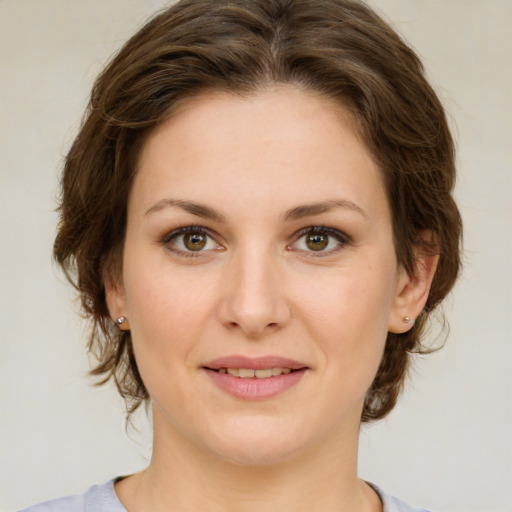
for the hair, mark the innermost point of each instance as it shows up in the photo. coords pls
(339, 49)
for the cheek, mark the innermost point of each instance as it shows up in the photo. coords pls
(167, 312)
(160, 295)
(347, 312)
(348, 299)
(166, 320)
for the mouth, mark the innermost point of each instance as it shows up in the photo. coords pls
(255, 378)
(251, 373)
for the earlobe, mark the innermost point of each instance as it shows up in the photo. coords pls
(413, 290)
(121, 320)
(116, 302)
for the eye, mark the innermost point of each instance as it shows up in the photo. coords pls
(189, 240)
(320, 239)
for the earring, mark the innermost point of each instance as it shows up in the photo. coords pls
(407, 319)
(121, 320)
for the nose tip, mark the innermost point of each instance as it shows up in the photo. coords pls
(254, 301)
(257, 320)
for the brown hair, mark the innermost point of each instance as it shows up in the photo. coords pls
(338, 48)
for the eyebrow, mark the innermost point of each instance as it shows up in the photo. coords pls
(308, 210)
(299, 212)
(198, 209)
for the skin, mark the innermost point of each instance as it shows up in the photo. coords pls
(257, 289)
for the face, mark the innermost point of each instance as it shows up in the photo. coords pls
(259, 275)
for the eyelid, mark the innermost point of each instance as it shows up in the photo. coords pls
(340, 236)
(183, 230)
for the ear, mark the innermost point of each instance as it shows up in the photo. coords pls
(116, 300)
(412, 290)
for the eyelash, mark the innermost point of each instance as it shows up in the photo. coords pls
(195, 230)
(341, 237)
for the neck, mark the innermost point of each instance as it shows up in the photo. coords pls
(184, 477)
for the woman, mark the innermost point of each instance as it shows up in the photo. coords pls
(257, 213)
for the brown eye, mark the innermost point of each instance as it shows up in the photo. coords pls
(320, 241)
(190, 241)
(194, 241)
(317, 241)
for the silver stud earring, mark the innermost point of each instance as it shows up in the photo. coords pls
(121, 320)
(407, 319)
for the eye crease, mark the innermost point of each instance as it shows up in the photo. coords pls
(194, 240)
(320, 240)
(190, 241)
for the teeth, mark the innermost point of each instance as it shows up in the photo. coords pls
(248, 373)
(263, 374)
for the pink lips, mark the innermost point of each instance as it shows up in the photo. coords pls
(255, 388)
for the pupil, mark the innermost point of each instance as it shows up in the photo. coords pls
(195, 241)
(317, 242)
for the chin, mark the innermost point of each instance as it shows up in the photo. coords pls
(257, 454)
(256, 442)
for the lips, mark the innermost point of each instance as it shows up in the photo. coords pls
(258, 363)
(249, 373)
(255, 378)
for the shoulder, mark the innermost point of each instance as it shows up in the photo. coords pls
(99, 498)
(392, 504)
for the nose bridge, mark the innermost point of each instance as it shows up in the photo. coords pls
(254, 300)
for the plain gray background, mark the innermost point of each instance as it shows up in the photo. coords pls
(447, 446)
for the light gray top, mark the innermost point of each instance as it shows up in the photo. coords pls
(103, 498)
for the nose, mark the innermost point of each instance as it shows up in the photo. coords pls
(254, 299)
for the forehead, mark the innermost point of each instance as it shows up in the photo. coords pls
(282, 143)
(286, 107)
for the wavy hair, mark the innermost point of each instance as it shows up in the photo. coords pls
(340, 49)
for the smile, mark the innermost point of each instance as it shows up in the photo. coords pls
(252, 379)
(250, 373)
